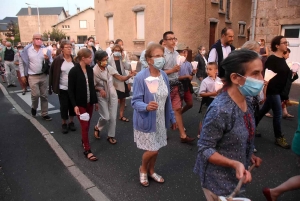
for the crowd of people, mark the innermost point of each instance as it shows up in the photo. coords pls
(230, 83)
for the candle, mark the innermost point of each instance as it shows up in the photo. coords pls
(133, 65)
(194, 64)
(152, 84)
(45, 51)
(269, 75)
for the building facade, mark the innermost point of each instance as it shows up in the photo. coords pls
(28, 20)
(79, 26)
(194, 23)
(279, 18)
(4, 25)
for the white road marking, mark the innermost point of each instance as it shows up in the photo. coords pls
(27, 99)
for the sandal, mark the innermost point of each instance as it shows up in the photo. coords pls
(124, 119)
(96, 133)
(90, 155)
(111, 140)
(269, 115)
(157, 178)
(288, 116)
(143, 178)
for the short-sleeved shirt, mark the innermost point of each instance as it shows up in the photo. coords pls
(230, 132)
(185, 69)
(171, 61)
(65, 69)
(208, 85)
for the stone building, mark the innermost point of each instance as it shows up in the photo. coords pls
(279, 18)
(79, 26)
(3, 25)
(28, 20)
(194, 23)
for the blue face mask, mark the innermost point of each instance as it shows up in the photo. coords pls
(159, 63)
(117, 54)
(252, 86)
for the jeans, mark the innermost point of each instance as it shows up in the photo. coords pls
(273, 102)
(85, 125)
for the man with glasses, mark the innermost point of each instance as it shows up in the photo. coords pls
(221, 49)
(177, 92)
(276, 85)
(31, 65)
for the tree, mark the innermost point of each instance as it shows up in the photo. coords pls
(13, 31)
(56, 34)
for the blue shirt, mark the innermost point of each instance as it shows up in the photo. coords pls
(144, 120)
(185, 69)
(230, 132)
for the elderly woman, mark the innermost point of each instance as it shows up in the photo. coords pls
(151, 118)
(107, 95)
(58, 83)
(226, 141)
(120, 65)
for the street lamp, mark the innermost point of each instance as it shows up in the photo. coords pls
(38, 15)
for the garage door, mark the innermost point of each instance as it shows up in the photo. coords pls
(292, 34)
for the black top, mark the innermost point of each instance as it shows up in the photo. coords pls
(9, 55)
(201, 72)
(277, 83)
(118, 65)
(77, 86)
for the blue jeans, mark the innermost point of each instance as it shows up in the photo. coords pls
(273, 102)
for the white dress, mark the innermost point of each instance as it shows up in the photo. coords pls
(155, 140)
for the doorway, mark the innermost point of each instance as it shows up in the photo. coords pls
(81, 39)
(212, 33)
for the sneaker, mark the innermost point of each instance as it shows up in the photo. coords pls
(33, 112)
(72, 126)
(64, 128)
(257, 133)
(187, 139)
(282, 143)
(47, 118)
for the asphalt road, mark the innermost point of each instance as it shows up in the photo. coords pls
(116, 171)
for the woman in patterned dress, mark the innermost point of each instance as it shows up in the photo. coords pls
(151, 118)
(227, 138)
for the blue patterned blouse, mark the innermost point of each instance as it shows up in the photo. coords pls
(230, 132)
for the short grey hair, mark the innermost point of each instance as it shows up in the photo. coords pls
(8, 43)
(251, 45)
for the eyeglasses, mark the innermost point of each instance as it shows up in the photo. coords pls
(37, 39)
(171, 39)
(285, 43)
(156, 56)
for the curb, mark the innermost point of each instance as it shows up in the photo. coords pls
(83, 180)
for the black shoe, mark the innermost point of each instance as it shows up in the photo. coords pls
(33, 112)
(8, 86)
(257, 133)
(47, 118)
(23, 93)
(64, 128)
(13, 85)
(72, 126)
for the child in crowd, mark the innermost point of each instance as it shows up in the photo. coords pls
(208, 90)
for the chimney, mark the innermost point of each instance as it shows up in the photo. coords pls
(78, 10)
(29, 10)
(67, 12)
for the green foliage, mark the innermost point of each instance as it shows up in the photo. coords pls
(13, 31)
(56, 34)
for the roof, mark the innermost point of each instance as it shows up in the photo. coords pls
(9, 19)
(5, 21)
(3, 27)
(73, 16)
(42, 11)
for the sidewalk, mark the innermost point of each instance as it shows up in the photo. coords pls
(29, 168)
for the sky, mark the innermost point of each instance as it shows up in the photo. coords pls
(12, 7)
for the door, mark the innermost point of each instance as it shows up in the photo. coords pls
(212, 33)
(292, 34)
(81, 39)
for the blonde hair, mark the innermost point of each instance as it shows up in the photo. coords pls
(251, 45)
(85, 52)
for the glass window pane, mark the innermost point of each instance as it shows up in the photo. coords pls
(82, 24)
(291, 33)
(140, 28)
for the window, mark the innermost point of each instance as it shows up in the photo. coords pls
(242, 26)
(140, 25)
(291, 33)
(81, 39)
(66, 26)
(82, 24)
(228, 10)
(221, 5)
(110, 21)
(67, 37)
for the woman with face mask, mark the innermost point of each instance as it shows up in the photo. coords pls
(227, 138)
(117, 62)
(107, 95)
(111, 45)
(152, 116)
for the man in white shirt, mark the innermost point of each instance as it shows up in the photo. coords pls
(31, 65)
(221, 49)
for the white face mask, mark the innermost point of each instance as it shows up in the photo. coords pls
(8, 48)
(111, 45)
(203, 52)
(73, 43)
(91, 44)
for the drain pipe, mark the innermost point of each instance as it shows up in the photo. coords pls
(171, 14)
(254, 3)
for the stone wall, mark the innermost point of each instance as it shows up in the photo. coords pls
(273, 14)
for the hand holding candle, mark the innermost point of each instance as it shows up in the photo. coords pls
(152, 84)
(45, 50)
(133, 65)
(180, 60)
(194, 64)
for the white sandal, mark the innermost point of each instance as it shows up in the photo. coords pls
(157, 178)
(143, 178)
